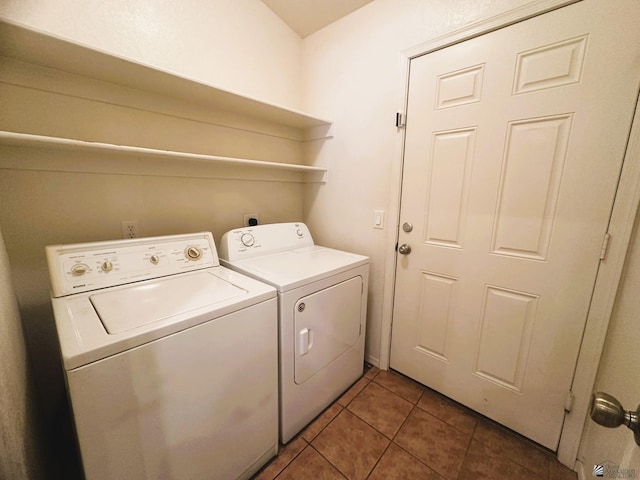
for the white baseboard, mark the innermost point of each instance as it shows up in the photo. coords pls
(372, 360)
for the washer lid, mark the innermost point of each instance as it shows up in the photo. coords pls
(294, 268)
(131, 307)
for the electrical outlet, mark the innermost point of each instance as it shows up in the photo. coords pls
(129, 229)
(248, 217)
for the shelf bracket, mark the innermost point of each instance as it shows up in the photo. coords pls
(319, 133)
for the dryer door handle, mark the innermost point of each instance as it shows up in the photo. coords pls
(305, 341)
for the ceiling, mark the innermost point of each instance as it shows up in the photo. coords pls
(308, 16)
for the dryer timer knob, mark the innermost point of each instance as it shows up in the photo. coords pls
(247, 239)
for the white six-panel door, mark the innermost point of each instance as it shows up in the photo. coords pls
(514, 144)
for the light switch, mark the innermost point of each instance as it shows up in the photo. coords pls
(378, 219)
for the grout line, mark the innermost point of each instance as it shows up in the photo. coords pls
(464, 457)
(357, 394)
(396, 394)
(330, 462)
(309, 443)
(268, 464)
(393, 441)
(518, 438)
(379, 458)
(328, 423)
(472, 435)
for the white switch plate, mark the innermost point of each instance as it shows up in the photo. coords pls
(378, 219)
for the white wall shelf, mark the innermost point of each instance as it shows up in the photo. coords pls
(24, 44)
(26, 140)
(44, 62)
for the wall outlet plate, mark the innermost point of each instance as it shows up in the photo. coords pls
(129, 229)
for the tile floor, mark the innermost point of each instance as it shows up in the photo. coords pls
(387, 427)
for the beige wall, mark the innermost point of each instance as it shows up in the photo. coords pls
(56, 197)
(239, 45)
(351, 74)
(20, 457)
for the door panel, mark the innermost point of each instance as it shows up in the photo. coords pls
(326, 325)
(513, 149)
(449, 186)
(529, 186)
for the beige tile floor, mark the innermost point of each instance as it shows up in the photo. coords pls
(387, 427)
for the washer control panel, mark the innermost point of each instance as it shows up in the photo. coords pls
(264, 239)
(89, 266)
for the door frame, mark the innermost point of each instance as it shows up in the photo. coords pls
(621, 223)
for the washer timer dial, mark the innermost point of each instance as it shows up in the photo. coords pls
(106, 266)
(79, 269)
(193, 253)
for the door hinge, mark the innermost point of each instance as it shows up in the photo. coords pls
(605, 246)
(568, 403)
(401, 119)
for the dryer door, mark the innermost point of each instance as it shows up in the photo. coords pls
(327, 324)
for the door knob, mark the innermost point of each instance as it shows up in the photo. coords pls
(404, 249)
(607, 411)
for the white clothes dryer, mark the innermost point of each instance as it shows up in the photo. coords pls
(170, 359)
(322, 304)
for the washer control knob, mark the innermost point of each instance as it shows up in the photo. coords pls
(155, 259)
(79, 269)
(247, 239)
(299, 232)
(106, 266)
(193, 253)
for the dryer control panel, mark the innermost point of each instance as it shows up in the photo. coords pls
(83, 267)
(250, 242)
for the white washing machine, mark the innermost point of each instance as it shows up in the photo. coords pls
(170, 359)
(322, 303)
